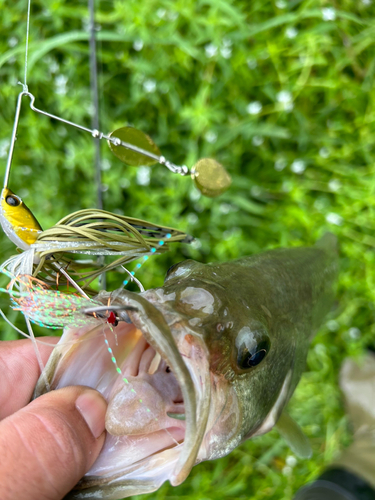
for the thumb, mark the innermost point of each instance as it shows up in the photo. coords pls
(47, 446)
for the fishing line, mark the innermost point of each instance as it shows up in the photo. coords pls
(27, 40)
(118, 369)
(96, 120)
(37, 354)
(7, 173)
(126, 381)
(95, 98)
(140, 264)
(18, 107)
(13, 326)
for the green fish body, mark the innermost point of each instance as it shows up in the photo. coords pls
(205, 362)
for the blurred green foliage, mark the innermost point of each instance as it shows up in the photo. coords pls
(280, 92)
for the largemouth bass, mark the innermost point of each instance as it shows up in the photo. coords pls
(196, 367)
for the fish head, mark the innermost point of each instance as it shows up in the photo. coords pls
(250, 351)
(17, 220)
(193, 368)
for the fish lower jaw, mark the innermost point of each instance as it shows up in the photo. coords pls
(142, 439)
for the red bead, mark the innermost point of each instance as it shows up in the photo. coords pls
(112, 318)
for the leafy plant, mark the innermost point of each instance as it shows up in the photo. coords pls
(280, 92)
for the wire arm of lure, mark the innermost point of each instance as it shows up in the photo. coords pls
(182, 170)
(70, 279)
(14, 135)
(133, 278)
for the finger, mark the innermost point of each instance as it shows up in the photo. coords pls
(50, 444)
(19, 372)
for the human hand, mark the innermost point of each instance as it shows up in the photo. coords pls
(49, 444)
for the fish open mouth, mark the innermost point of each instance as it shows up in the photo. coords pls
(157, 388)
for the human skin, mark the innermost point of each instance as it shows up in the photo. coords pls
(47, 445)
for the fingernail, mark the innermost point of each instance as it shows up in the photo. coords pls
(92, 407)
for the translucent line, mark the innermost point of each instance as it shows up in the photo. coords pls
(27, 39)
(37, 354)
(13, 326)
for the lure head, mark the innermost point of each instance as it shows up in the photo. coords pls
(17, 221)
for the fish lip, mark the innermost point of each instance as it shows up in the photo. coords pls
(150, 321)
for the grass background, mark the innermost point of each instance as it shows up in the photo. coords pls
(281, 93)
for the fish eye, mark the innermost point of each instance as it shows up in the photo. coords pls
(13, 201)
(253, 345)
(248, 359)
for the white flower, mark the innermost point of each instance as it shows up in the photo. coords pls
(172, 16)
(332, 326)
(225, 208)
(333, 218)
(281, 4)
(323, 152)
(280, 164)
(255, 191)
(211, 50)
(287, 470)
(90, 108)
(26, 170)
(329, 14)
(106, 165)
(194, 194)
(291, 460)
(284, 96)
(143, 176)
(149, 85)
(54, 66)
(4, 145)
(252, 63)
(192, 218)
(298, 166)
(334, 184)
(254, 108)
(60, 84)
(257, 140)
(138, 45)
(354, 333)
(291, 32)
(161, 13)
(226, 52)
(286, 99)
(211, 136)
(196, 244)
(12, 42)
(226, 49)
